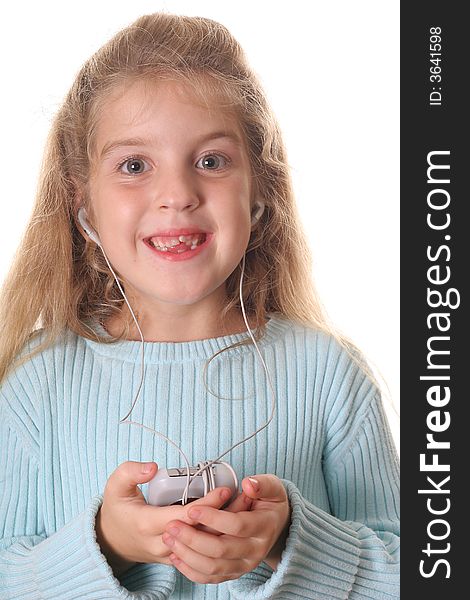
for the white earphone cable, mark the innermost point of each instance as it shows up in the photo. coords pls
(126, 419)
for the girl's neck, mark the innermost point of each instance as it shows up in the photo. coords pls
(175, 328)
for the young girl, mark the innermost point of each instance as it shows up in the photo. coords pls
(165, 179)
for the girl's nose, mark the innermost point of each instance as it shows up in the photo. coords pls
(176, 191)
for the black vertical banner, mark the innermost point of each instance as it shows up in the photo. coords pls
(435, 257)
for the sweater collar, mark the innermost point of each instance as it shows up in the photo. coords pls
(165, 352)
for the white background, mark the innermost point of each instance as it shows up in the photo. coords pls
(331, 72)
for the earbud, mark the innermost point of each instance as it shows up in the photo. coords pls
(91, 233)
(256, 214)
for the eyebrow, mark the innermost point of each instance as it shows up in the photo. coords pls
(216, 135)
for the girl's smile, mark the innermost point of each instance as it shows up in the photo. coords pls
(170, 197)
(179, 244)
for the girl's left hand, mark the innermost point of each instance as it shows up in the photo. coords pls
(236, 542)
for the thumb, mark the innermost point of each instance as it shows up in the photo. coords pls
(124, 480)
(264, 487)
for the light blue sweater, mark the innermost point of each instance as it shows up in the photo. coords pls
(329, 442)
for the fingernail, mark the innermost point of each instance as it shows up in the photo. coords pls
(254, 483)
(225, 494)
(174, 531)
(168, 540)
(194, 513)
(147, 467)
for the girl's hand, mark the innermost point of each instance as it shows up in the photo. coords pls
(128, 529)
(244, 539)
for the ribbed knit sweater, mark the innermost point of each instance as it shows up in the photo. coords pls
(329, 443)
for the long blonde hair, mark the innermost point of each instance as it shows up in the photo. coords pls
(59, 280)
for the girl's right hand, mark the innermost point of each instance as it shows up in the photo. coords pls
(128, 530)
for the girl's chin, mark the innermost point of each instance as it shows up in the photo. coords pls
(176, 301)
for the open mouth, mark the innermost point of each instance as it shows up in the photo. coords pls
(179, 244)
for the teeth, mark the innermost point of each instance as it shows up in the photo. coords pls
(191, 241)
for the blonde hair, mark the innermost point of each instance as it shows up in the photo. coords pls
(60, 281)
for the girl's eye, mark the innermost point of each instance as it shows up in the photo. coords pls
(212, 162)
(133, 166)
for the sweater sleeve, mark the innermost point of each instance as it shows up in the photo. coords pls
(352, 553)
(67, 564)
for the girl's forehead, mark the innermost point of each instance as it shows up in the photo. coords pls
(138, 102)
(139, 95)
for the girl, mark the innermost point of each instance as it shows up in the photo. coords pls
(165, 179)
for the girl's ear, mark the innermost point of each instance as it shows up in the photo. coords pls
(258, 210)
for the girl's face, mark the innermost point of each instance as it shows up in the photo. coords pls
(170, 195)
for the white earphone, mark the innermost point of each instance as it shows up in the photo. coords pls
(91, 233)
(259, 206)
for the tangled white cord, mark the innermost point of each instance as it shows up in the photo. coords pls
(126, 420)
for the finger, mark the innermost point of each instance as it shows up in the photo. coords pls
(203, 569)
(178, 535)
(214, 499)
(159, 516)
(242, 502)
(241, 524)
(153, 549)
(193, 575)
(264, 487)
(156, 518)
(124, 480)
